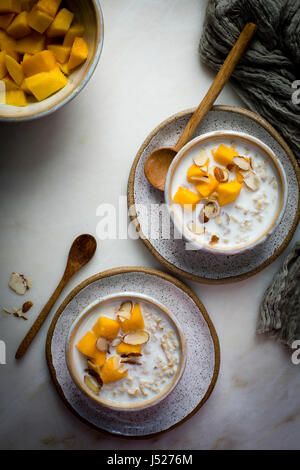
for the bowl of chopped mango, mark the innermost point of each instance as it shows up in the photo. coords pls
(49, 50)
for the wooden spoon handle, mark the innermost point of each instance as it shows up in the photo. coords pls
(41, 318)
(218, 84)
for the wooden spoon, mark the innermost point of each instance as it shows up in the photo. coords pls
(158, 162)
(82, 250)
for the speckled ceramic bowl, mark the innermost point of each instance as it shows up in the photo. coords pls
(264, 149)
(76, 361)
(89, 13)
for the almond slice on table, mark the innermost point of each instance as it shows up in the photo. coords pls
(136, 338)
(251, 181)
(195, 228)
(102, 345)
(91, 384)
(19, 283)
(124, 312)
(202, 158)
(242, 163)
(221, 174)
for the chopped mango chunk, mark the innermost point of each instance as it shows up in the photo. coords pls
(3, 69)
(64, 68)
(7, 43)
(99, 357)
(14, 69)
(124, 348)
(106, 328)
(19, 27)
(15, 98)
(61, 23)
(43, 85)
(186, 198)
(31, 44)
(135, 322)
(5, 20)
(87, 344)
(26, 4)
(228, 192)
(110, 372)
(193, 171)
(239, 177)
(61, 53)
(76, 31)
(39, 20)
(49, 6)
(10, 6)
(25, 88)
(9, 83)
(79, 53)
(41, 62)
(205, 189)
(224, 155)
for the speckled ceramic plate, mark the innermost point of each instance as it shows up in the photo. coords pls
(203, 353)
(198, 265)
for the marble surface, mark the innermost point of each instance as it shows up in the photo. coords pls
(56, 172)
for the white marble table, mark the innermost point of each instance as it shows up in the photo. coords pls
(54, 174)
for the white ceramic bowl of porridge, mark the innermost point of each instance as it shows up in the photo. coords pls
(226, 192)
(126, 352)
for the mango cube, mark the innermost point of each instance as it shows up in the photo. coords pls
(193, 171)
(9, 83)
(14, 69)
(224, 155)
(60, 24)
(228, 192)
(79, 53)
(186, 198)
(10, 6)
(49, 6)
(98, 357)
(19, 27)
(135, 322)
(87, 344)
(7, 43)
(76, 31)
(39, 20)
(41, 62)
(124, 348)
(26, 4)
(110, 371)
(205, 189)
(61, 53)
(3, 69)
(43, 85)
(15, 98)
(5, 20)
(106, 328)
(31, 44)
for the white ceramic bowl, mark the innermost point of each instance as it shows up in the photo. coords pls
(75, 359)
(245, 138)
(89, 13)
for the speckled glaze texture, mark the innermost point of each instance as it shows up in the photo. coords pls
(202, 353)
(198, 265)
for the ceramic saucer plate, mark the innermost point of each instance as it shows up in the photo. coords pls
(199, 265)
(202, 350)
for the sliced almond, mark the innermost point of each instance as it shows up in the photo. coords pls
(201, 158)
(131, 361)
(126, 356)
(230, 167)
(94, 367)
(251, 181)
(196, 179)
(91, 384)
(19, 283)
(116, 362)
(204, 179)
(102, 345)
(116, 341)
(221, 174)
(195, 228)
(136, 338)
(210, 210)
(122, 369)
(214, 239)
(242, 163)
(27, 306)
(124, 312)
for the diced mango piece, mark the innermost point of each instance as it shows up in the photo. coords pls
(31, 44)
(7, 43)
(135, 322)
(61, 53)
(41, 62)
(9, 83)
(64, 68)
(10, 6)
(193, 171)
(39, 20)
(3, 69)
(186, 198)
(205, 189)
(224, 155)
(49, 6)
(25, 88)
(228, 192)
(26, 5)
(5, 20)
(76, 31)
(124, 348)
(79, 53)
(239, 177)
(60, 24)
(87, 344)
(98, 357)
(44, 84)
(19, 27)
(14, 69)
(106, 328)
(110, 372)
(16, 98)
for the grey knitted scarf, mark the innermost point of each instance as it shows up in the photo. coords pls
(266, 76)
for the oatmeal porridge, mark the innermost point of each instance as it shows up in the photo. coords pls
(128, 352)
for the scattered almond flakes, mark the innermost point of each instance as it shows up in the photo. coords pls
(19, 283)
(27, 306)
(214, 239)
